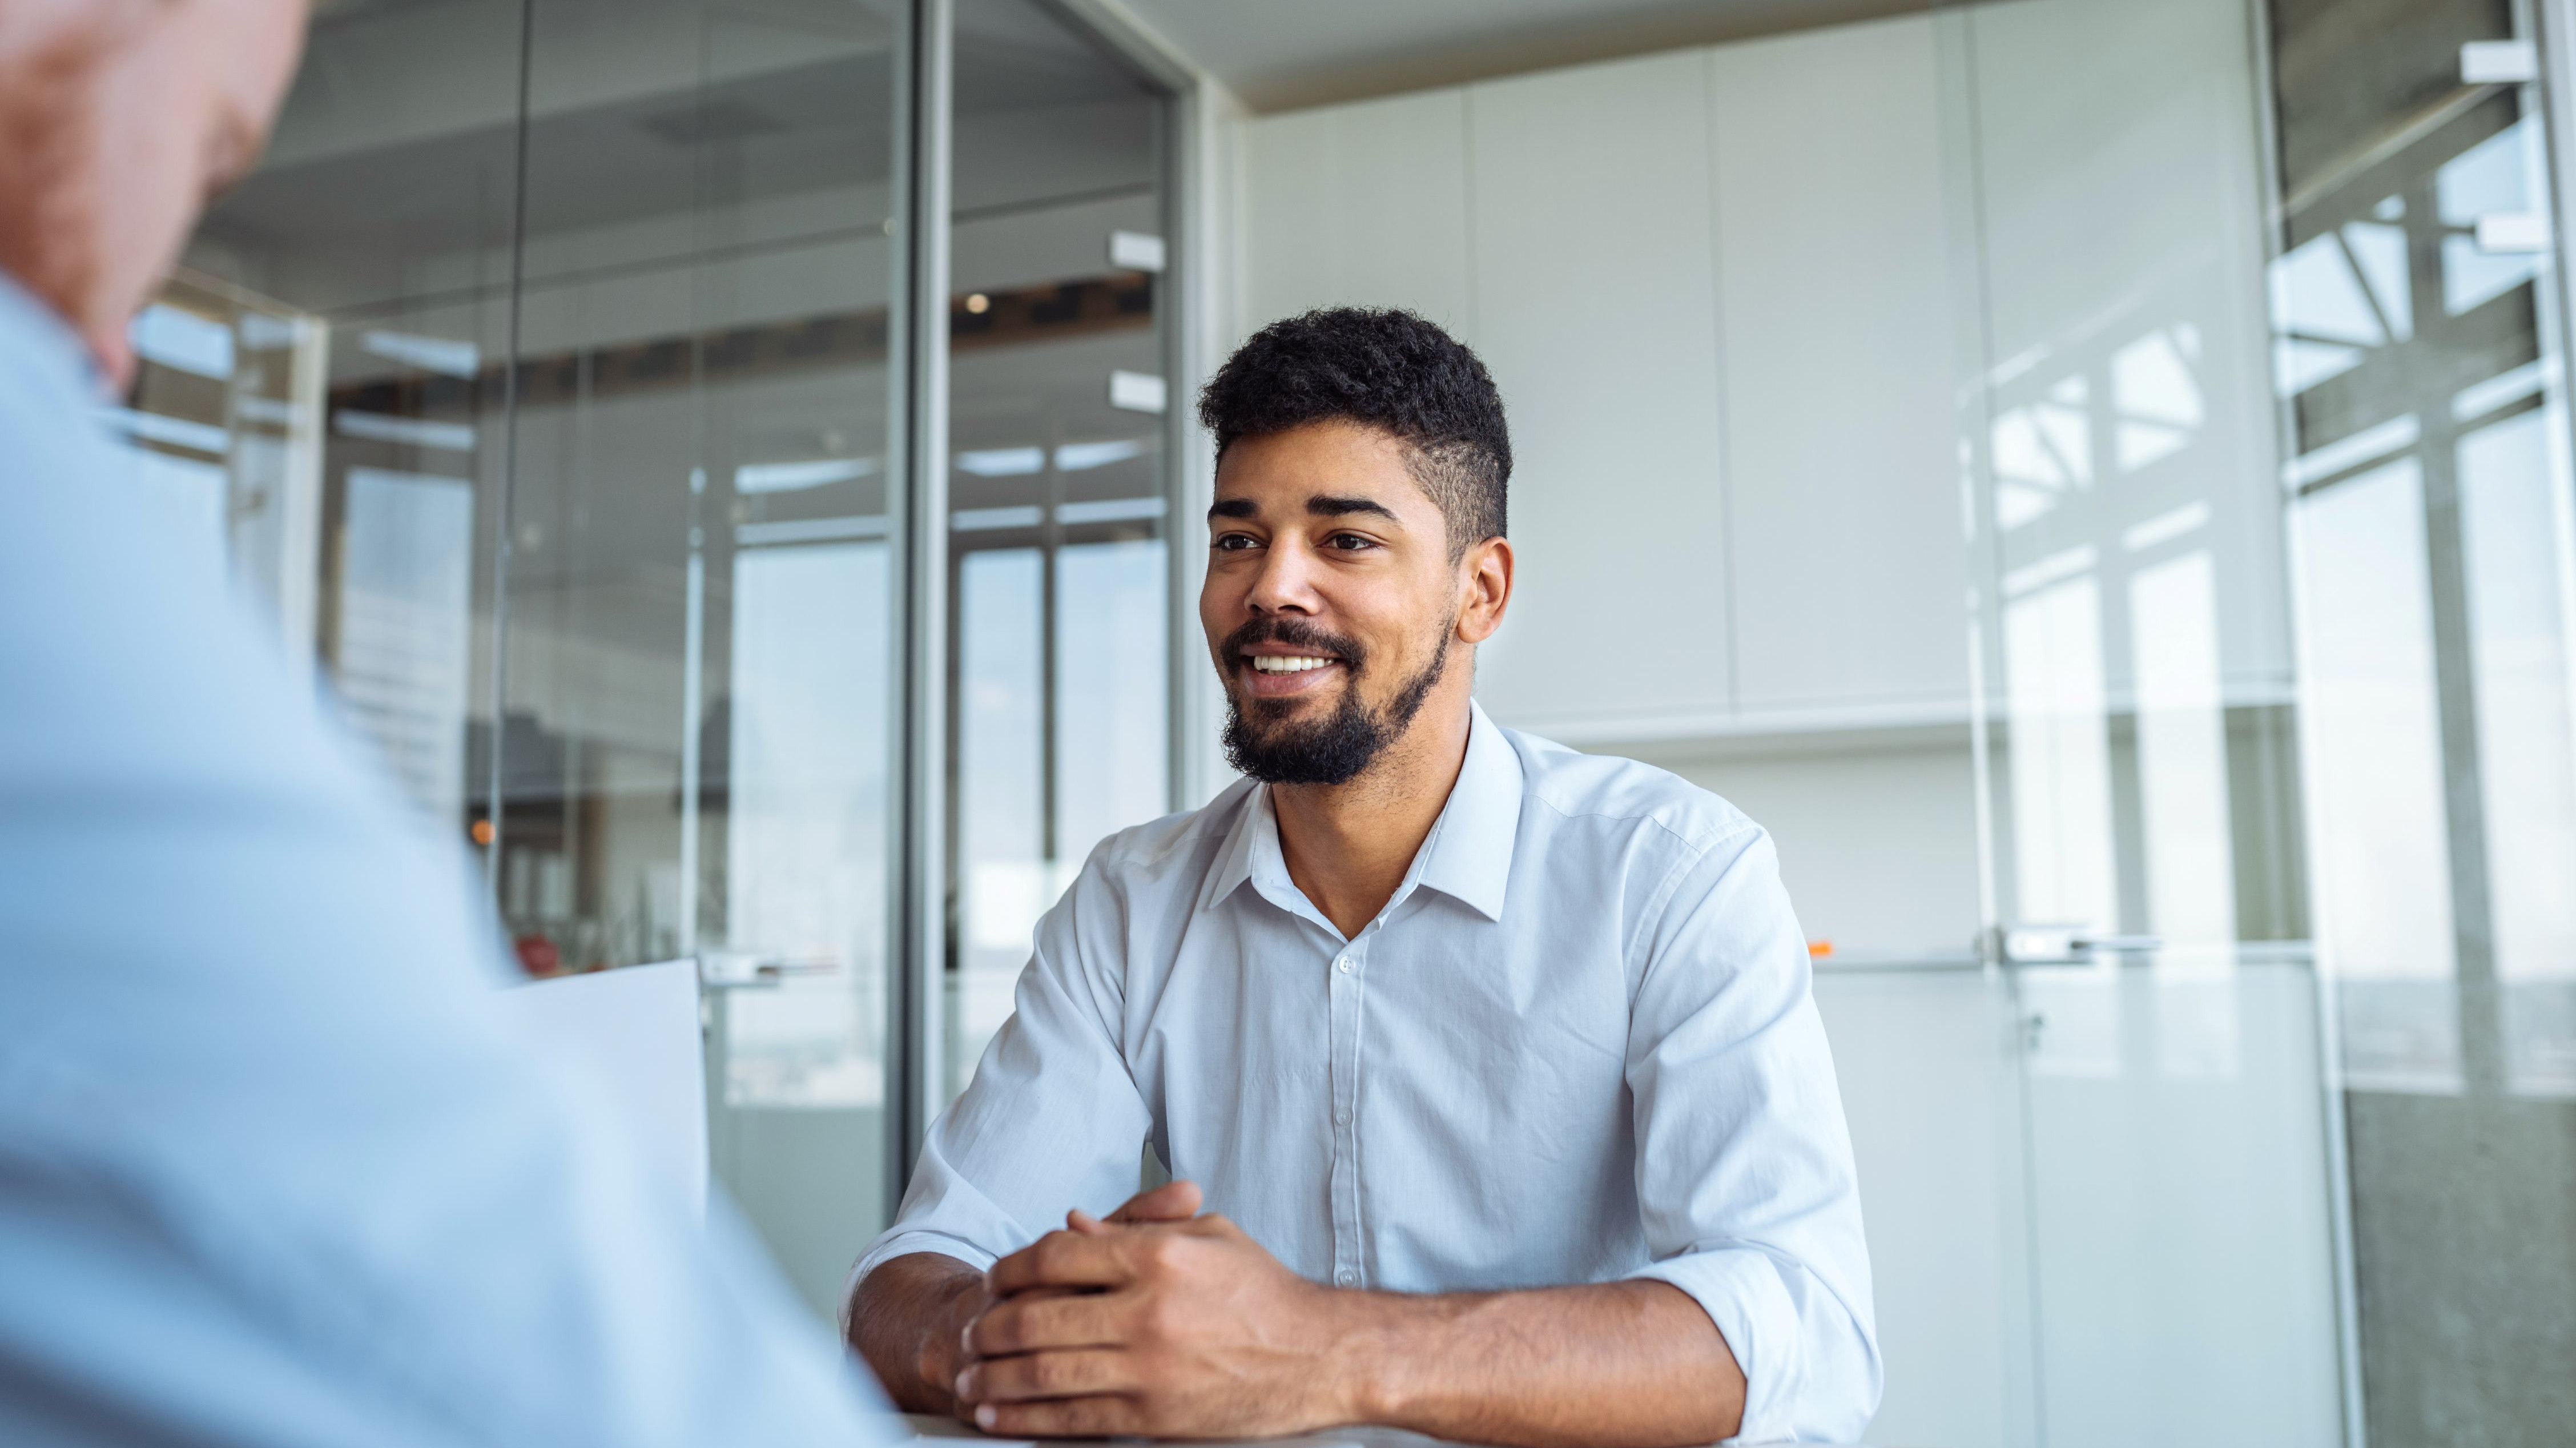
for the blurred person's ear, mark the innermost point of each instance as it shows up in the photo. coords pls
(118, 120)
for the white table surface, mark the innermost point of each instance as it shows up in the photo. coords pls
(936, 1426)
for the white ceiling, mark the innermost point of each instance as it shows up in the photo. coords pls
(1281, 54)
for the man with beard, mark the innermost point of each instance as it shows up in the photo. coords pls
(1499, 1061)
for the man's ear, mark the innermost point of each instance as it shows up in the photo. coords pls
(1486, 578)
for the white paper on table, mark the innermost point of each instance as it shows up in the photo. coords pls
(635, 1031)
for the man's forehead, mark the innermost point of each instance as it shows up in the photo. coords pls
(1321, 469)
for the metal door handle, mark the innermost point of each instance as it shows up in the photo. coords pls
(749, 970)
(2036, 944)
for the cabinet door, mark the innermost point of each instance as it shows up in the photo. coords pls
(1833, 283)
(1928, 1088)
(1596, 310)
(1359, 205)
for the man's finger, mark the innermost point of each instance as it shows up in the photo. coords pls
(1035, 1321)
(1063, 1259)
(1170, 1202)
(1103, 1417)
(1077, 1373)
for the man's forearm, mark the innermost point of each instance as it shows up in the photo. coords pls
(1620, 1363)
(906, 1320)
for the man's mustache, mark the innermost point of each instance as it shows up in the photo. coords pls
(1296, 633)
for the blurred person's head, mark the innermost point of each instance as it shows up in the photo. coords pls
(1356, 544)
(119, 119)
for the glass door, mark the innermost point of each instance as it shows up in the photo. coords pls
(555, 335)
(701, 602)
(1059, 670)
(2134, 710)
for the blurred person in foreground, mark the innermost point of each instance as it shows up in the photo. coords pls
(274, 1167)
(1497, 1064)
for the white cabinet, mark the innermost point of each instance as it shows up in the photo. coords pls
(1596, 310)
(1849, 569)
(1359, 205)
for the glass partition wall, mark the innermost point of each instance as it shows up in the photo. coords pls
(1058, 669)
(2267, 497)
(551, 386)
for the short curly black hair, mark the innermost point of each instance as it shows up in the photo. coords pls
(1386, 369)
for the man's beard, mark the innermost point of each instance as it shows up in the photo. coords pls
(1337, 747)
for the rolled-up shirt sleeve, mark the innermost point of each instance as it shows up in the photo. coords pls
(1744, 1164)
(1052, 1119)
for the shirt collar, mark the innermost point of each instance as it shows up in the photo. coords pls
(1470, 847)
(1467, 856)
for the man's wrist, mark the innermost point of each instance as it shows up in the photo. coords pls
(1371, 1334)
(943, 1348)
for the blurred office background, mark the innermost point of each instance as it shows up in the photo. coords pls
(2093, 477)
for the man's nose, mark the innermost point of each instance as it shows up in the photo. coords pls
(1286, 583)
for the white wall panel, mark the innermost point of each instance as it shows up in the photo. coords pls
(1847, 574)
(1596, 311)
(1877, 837)
(1360, 205)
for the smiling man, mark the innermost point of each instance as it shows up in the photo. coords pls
(1495, 1064)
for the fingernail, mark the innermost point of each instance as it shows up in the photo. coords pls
(961, 1382)
(985, 1415)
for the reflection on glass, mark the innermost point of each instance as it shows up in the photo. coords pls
(406, 608)
(2410, 342)
(2135, 702)
(1004, 883)
(1058, 675)
(2419, 314)
(2182, 749)
(224, 421)
(2061, 757)
(700, 603)
(2374, 781)
(2516, 536)
(365, 264)
(622, 456)
(805, 839)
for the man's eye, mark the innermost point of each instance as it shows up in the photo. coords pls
(1352, 541)
(1232, 542)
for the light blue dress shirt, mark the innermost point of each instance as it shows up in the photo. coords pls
(274, 1166)
(1577, 1045)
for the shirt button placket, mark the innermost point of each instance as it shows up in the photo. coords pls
(1344, 989)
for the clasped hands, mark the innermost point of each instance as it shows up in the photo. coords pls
(1155, 1321)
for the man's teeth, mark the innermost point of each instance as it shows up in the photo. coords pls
(1286, 663)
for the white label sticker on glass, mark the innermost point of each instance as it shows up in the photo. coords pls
(1137, 392)
(2499, 62)
(1135, 251)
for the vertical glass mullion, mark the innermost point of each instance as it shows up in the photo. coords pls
(501, 508)
(921, 915)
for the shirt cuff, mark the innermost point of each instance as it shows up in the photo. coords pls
(903, 1244)
(1741, 1291)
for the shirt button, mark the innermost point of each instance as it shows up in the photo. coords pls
(1348, 1279)
(1341, 1118)
(1344, 964)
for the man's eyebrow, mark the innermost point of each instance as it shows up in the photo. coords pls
(1333, 505)
(1233, 508)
